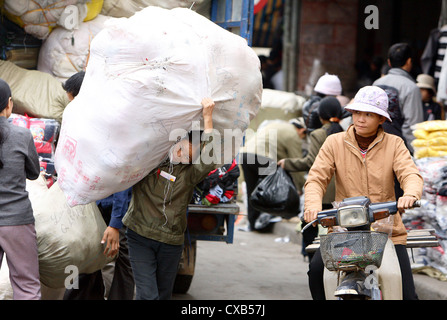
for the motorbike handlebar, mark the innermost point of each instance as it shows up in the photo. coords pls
(391, 205)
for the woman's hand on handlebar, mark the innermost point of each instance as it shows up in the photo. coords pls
(405, 202)
(311, 215)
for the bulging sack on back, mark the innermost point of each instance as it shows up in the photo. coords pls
(68, 239)
(143, 88)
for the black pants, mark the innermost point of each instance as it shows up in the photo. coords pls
(311, 233)
(255, 168)
(316, 269)
(91, 286)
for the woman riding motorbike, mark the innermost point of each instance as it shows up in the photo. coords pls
(364, 160)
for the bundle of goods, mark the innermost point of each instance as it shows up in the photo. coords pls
(67, 238)
(18, 47)
(45, 133)
(432, 214)
(218, 186)
(66, 52)
(431, 139)
(35, 93)
(39, 17)
(278, 105)
(143, 90)
(127, 8)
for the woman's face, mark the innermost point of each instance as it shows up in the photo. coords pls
(366, 123)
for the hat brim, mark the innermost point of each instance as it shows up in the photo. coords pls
(426, 86)
(358, 106)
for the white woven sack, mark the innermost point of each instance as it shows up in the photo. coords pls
(146, 77)
(66, 52)
(40, 16)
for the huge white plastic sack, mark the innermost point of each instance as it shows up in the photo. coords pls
(66, 52)
(146, 77)
(68, 238)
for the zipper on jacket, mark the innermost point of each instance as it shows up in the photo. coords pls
(364, 158)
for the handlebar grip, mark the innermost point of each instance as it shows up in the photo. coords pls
(417, 204)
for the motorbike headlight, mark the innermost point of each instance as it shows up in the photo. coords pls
(352, 216)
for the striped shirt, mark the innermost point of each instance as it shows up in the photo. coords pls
(442, 46)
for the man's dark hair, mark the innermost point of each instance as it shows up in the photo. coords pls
(193, 135)
(398, 54)
(73, 84)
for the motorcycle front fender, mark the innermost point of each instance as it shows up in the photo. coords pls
(390, 277)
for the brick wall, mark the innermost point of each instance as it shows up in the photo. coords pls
(328, 34)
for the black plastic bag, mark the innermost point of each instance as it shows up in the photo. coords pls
(276, 194)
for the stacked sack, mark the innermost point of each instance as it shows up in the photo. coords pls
(431, 215)
(40, 17)
(430, 152)
(45, 133)
(127, 8)
(66, 52)
(430, 139)
(35, 93)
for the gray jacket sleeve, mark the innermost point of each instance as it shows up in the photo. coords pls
(412, 111)
(32, 164)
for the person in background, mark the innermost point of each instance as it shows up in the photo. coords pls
(394, 125)
(400, 61)
(113, 209)
(275, 140)
(327, 85)
(432, 109)
(345, 154)
(73, 84)
(18, 161)
(122, 287)
(329, 113)
(156, 219)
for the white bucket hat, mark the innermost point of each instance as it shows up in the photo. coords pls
(426, 81)
(329, 84)
(370, 99)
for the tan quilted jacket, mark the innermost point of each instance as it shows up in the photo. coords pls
(372, 176)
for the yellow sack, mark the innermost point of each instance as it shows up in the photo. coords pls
(436, 151)
(433, 125)
(420, 134)
(438, 141)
